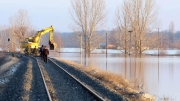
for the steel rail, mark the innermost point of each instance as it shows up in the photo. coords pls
(97, 96)
(49, 96)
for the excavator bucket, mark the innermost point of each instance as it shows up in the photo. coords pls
(52, 45)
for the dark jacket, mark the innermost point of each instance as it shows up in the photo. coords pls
(46, 51)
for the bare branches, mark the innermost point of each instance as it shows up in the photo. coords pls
(19, 29)
(20, 23)
(88, 17)
(4, 35)
(171, 34)
(139, 16)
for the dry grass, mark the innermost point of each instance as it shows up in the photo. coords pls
(101, 75)
(6, 64)
(108, 78)
(27, 82)
(114, 82)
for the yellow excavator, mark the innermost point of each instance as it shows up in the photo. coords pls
(33, 42)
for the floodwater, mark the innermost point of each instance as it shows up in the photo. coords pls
(159, 77)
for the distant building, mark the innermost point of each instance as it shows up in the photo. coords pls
(109, 46)
(102, 46)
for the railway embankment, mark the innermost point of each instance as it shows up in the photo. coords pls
(23, 81)
(113, 82)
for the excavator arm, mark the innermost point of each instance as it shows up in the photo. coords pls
(37, 37)
(52, 44)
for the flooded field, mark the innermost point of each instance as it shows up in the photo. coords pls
(159, 77)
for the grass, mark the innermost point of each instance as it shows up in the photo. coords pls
(114, 82)
(101, 75)
(27, 82)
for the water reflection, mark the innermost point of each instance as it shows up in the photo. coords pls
(156, 76)
(158, 69)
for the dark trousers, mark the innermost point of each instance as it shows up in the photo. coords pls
(45, 58)
(41, 55)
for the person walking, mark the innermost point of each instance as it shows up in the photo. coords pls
(41, 51)
(45, 54)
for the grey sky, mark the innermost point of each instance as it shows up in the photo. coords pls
(44, 13)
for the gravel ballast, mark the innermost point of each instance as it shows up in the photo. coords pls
(16, 90)
(27, 84)
(66, 88)
(94, 84)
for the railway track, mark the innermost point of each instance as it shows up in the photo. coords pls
(44, 82)
(89, 96)
(53, 81)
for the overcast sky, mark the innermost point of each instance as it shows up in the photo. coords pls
(44, 13)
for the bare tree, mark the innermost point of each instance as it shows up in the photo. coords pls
(20, 24)
(4, 35)
(139, 17)
(88, 16)
(171, 34)
(122, 23)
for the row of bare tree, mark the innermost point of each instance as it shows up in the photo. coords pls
(135, 20)
(19, 29)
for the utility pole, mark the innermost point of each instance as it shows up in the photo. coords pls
(158, 42)
(8, 43)
(106, 51)
(130, 43)
(158, 55)
(81, 48)
(130, 51)
(135, 46)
